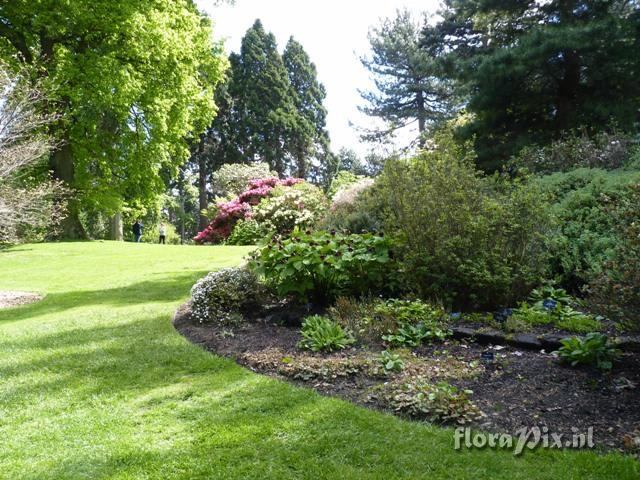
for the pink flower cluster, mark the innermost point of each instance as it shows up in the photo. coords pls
(240, 208)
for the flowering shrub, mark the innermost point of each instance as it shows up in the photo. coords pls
(232, 179)
(228, 213)
(223, 296)
(287, 208)
(347, 196)
(354, 208)
(322, 265)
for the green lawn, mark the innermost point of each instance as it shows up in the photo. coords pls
(96, 384)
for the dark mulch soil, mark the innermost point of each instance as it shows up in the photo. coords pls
(518, 389)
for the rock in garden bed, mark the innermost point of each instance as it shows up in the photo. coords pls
(518, 388)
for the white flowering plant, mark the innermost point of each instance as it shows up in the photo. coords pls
(224, 296)
(300, 205)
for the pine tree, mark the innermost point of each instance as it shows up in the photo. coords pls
(409, 85)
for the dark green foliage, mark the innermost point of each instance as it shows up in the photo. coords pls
(468, 240)
(583, 201)
(308, 134)
(616, 291)
(322, 265)
(320, 334)
(594, 349)
(533, 70)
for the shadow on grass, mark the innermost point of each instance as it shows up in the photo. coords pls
(173, 287)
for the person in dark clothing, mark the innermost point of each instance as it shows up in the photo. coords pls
(163, 234)
(137, 230)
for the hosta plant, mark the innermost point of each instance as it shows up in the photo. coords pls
(594, 349)
(408, 335)
(320, 334)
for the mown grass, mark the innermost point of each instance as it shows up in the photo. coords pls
(96, 384)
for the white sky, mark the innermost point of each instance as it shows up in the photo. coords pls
(334, 34)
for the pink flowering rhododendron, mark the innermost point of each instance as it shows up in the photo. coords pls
(240, 208)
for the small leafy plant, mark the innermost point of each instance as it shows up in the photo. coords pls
(391, 362)
(320, 334)
(408, 335)
(439, 402)
(594, 349)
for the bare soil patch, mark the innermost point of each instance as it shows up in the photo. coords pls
(14, 298)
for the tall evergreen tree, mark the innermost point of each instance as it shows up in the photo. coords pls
(265, 108)
(410, 87)
(537, 69)
(308, 135)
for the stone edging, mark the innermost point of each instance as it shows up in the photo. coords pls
(548, 342)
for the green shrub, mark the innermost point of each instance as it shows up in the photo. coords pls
(152, 234)
(594, 349)
(439, 402)
(222, 297)
(616, 291)
(411, 312)
(472, 241)
(577, 322)
(301, 205)
(247, 232)
(391, 362)
(321, 266)
(578, 150)
(583, 201)
(525, 317)
(354, 209)
(320, 334)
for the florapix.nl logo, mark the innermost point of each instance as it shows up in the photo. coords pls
(525, 438)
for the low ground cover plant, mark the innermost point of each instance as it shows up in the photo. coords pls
(439, 402)
(321, 334)
(594, 349)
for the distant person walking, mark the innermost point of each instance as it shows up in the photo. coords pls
(163, 234)
(137, 231)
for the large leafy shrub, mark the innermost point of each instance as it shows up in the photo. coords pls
(583, 201)
(616, 291)
(321, 265)
(222, 297)
(300, 205)
(468, 240)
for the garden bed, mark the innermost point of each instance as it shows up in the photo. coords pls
(519, 387)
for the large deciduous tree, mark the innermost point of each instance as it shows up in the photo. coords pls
(410, 87)
(130, 80)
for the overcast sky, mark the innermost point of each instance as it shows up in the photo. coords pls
(334, 34)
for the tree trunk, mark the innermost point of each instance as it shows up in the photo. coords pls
(421, 118)
(72, 228)
(203, 201)
(116, 227)
(567, 90)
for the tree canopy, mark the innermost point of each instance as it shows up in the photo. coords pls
(131, 82)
